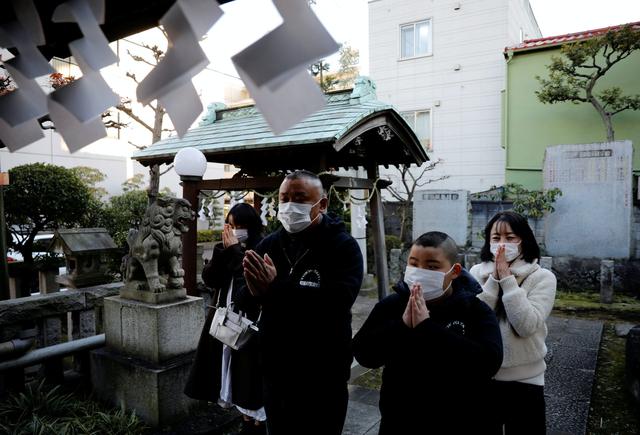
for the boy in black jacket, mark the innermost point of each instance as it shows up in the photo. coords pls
(439, 345)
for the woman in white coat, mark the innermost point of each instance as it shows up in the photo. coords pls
(522, 294)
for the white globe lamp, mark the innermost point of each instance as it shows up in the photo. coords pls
(190, 164)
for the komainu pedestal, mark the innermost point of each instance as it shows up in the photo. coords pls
(152, 328)
(148, 355)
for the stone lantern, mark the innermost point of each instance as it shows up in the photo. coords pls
(86, 252)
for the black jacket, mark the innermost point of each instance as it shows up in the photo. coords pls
(205, 375)
(305, 329)
(436, 375)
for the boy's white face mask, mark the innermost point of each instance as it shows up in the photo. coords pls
(295, 216)
(241, 235)
(511, 250)
(431, 281)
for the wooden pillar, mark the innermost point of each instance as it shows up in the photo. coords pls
(190, 192)
(257, 203)
(377, 229)
(4, 267)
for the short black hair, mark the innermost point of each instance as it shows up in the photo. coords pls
(520, 227)
(247, 216)
(438, 239)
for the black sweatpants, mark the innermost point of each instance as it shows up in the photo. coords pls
(517, 408)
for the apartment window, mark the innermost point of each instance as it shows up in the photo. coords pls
(415, 39)
(420, 122)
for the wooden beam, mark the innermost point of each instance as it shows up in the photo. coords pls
(359, 183)
(273, 183)
(251, 183)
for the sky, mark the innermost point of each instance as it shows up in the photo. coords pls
(347, 21)
(245, 21)
(556, 17)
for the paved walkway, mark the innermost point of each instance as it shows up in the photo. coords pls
(573, 351)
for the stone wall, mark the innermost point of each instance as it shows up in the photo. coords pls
(483, 211)
(636, 232)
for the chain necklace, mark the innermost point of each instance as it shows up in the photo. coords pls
(298, 259)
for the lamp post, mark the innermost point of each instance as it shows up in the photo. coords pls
(190, 164)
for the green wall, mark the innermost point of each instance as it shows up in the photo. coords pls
(530, 126)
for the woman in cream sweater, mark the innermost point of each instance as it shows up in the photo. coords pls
(522, 294)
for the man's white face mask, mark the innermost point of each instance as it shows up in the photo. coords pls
(295, 216)
(431, 281)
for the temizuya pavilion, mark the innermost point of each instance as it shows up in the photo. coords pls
(354, 130)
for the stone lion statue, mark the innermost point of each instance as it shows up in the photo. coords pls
(155, 249)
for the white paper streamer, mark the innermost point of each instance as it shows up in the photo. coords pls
(170, 81)
(274, 68)
(264, 210)
(76, 109)
(20, 109)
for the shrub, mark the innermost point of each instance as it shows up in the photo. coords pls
(42, 409)
(205, 236)
(392, 242)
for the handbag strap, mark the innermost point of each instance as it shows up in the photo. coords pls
(216, 297)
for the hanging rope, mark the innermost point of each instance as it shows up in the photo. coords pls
(354, 198)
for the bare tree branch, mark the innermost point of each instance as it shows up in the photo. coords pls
(433, 180)
(132, 76)
(164, 32)
(140, 147)
(170, 167)
(136, 118)
(395, 193)
(139, 58)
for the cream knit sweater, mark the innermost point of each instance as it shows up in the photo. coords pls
(528, 296)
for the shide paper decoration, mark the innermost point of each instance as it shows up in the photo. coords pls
(274, 69)
(20, 109)
(170, 82)
(76, 109)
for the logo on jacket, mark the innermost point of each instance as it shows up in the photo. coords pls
(456, 326)
(311, 278)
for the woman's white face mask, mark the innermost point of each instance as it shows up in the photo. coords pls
(511, 250)
(241, 235)
(431, 281)
(295, 216)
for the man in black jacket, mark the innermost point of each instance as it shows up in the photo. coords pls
(439, 345)
(306, 277)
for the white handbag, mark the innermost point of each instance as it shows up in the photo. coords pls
(231, 328)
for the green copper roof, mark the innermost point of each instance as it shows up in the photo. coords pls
(225, 135)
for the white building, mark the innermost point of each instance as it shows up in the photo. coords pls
(441, 63)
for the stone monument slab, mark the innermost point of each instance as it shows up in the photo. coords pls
(442, 210)
(593, 217)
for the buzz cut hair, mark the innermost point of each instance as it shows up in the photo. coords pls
(313, 179)
(437, 239)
